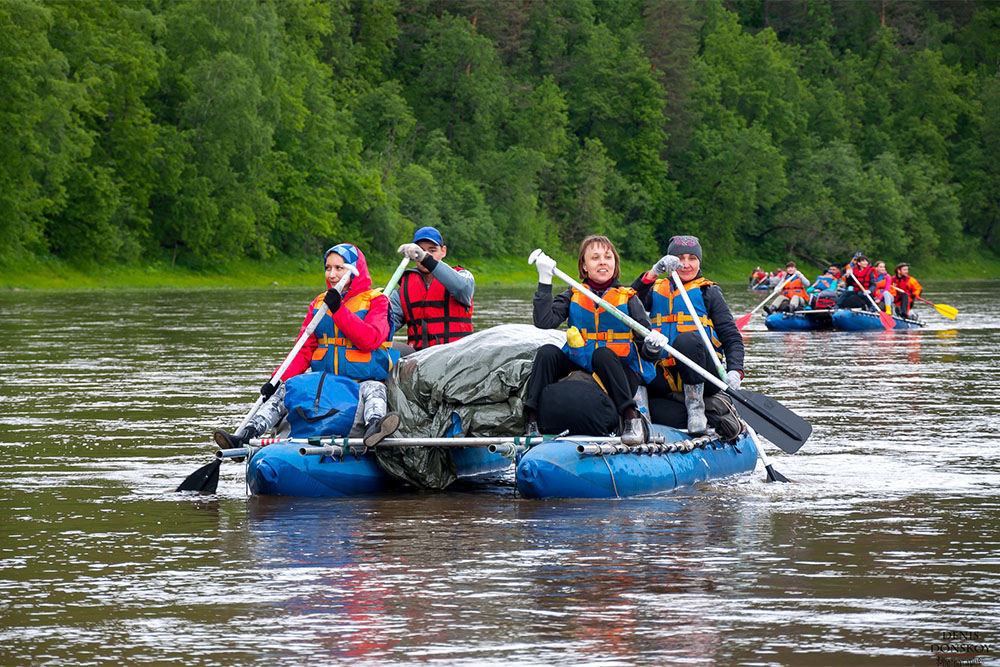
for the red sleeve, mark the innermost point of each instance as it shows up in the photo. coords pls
(368, 333)
(301, 361)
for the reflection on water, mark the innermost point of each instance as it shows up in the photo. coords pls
(886, 539)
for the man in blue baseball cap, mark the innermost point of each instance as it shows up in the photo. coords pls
(434, 300)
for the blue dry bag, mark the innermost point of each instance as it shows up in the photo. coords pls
(320, 404)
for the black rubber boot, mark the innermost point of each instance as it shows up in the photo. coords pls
(226, 440)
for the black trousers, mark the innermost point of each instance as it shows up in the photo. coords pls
(853, 300)
(904, 303)
(689, 344)
(620, 381)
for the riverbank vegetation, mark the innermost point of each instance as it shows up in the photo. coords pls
(194, 141)
(280, 271)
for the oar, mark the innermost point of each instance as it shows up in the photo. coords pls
(742, 320)
(769, 417)
(946, 310)
(203, 480)
(772, 474)
(397, 274)
(206, 478)
(883, 316)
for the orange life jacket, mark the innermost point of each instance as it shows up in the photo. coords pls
(599, 328)
(335, 353)
(794, 287)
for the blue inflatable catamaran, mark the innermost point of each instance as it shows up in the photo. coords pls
(547, 467)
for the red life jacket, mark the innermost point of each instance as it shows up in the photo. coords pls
(863, 276)
(432, 315)
(906, 284)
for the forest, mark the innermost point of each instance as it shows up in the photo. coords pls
(198, 131)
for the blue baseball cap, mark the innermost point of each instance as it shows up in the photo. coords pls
(427, 234)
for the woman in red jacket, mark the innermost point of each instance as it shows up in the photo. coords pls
(352, 340)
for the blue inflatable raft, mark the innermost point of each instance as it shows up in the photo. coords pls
(578, 467)
(800, 320)
(856, 319)
(280, 469)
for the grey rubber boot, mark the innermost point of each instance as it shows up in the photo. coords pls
(635, 433)
(694, 401)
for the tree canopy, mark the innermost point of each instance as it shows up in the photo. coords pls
(200, 131)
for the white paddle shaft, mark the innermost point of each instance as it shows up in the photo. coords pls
(697, 322)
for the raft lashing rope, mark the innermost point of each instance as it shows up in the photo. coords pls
(651, 449)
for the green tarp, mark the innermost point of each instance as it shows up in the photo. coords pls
(474, 387)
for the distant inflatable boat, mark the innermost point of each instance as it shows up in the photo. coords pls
(801, 320)
(856, 319)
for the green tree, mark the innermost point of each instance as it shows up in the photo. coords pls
(460, 87)
(43, 138)
(110, 52)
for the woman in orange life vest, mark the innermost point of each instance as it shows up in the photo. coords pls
(906, 289)
(793, 294)
(351, 340)
(605, 345)
(434, 300)
(673, 324)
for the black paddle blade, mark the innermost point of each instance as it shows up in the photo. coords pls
(203, 480)
(775, 476)
(772, 420)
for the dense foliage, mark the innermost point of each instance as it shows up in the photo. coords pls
(201, 130)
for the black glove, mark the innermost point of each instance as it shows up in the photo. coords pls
(268, 389)
(332, 300)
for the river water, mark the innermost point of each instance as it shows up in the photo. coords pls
(883, 550)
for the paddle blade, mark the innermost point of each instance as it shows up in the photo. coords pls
(946, 310)
(772, 420)
(742, 321)
(203, 480)
(775, 476)
(886, 319)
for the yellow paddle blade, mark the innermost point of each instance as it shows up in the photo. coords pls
(946, 310)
